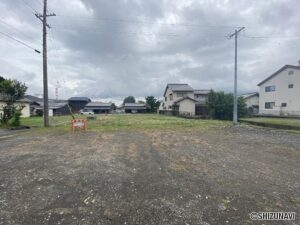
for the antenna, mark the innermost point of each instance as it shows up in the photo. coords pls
(56, 89)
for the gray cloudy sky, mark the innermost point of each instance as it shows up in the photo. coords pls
(111, 49)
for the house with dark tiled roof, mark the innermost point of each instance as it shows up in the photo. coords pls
(98, 107)
(183, 99)
(134, 107)
(78, 103)
(56, 107)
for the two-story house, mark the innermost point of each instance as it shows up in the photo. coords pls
(279, 94)
(183, 99)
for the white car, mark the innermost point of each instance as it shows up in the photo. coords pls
(86, 112)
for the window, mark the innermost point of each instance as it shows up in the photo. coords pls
(171, 97)
(291, 86)
(283, 104)
(166, 99)
(291, 72)
(269, 105)
(181, 94)
(270, 88)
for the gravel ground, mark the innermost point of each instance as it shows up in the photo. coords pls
(212, 176)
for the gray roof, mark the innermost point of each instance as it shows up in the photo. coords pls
(184, 98)
(179, 87)
(201, 92)
(5, 97)
(98, 104)
(248, 95)
(33, 98)
(84, 99)
(52, 104)
(135, 105)
(278, 71)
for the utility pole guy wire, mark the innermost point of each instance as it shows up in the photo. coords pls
(235, 110)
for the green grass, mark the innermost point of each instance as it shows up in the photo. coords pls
(128, 122)
(275, 121)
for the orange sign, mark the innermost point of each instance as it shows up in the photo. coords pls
(79, 124)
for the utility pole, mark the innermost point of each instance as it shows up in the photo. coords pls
(235, 111)
(43, 18)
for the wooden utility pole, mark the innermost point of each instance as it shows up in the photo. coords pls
(43, 18)
(235, 110)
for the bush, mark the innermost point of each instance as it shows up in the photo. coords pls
(220, 106)
(39, 112)
(15, 120)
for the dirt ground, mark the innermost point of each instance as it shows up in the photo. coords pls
(206, 176)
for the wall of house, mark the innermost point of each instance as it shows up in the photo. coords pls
(168, 104)
(25, 111)
(282, 94)
(254, 100)
(201, 98)
(187, 106)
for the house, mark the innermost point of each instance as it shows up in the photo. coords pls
(252, 102)
(279, 93)
(182, 99)
(78, 103)
(134, 107)
(98, 107)
(56, 107)
(24, 103)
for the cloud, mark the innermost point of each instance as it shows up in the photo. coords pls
(112, 49)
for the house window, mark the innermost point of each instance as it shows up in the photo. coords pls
(283, 104)
(171, 97)
(269, 105)
(270, 88)
(166, 99)
(291, 86)
(181, 94)
(291, 72)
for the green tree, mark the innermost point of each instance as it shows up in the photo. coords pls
(152, 104)
(11, 91)
(220, 105)
(129, 99)
(113, 106)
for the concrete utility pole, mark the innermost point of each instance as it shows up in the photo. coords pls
(235, 111)
(43, 18)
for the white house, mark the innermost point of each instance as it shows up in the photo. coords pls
(252, 102)
(183, 99)
(279, 94)
(22, 103)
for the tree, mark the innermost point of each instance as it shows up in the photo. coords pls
(11, 91)
(129, 99)
(113, 106)
(152, 104)
(220, 105)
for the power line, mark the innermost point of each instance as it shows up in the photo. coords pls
(21, 32)
(29, 6)
(21, 42)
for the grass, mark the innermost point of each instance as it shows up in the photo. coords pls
(275, 121)
(127, 122)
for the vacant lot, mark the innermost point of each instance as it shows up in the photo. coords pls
(149, 170)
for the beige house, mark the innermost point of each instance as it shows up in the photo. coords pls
(252, 102)
(279, 94)
(184, 100)
(25, 103)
